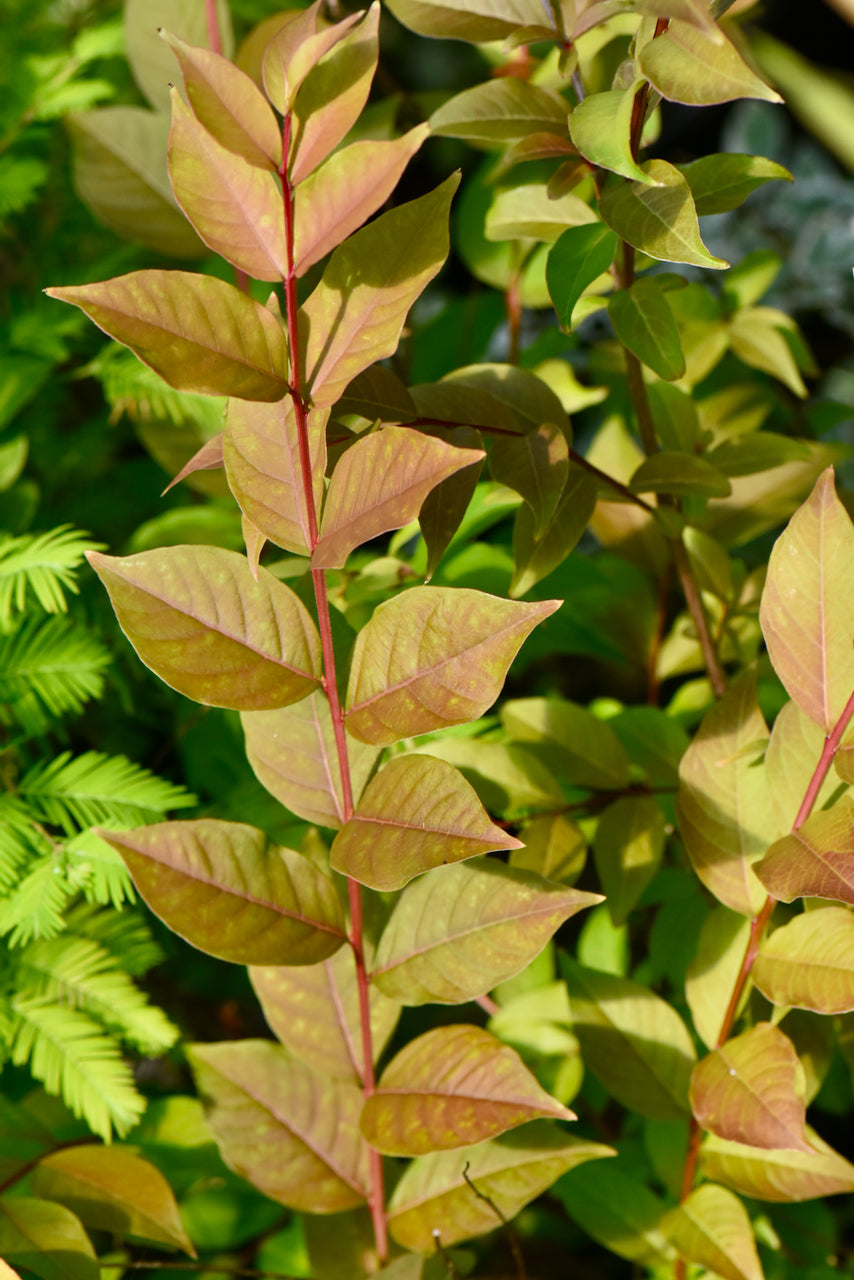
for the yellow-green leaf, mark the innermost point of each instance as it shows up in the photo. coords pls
(658, 216)
(711, 1228)
(809, 962)
(685, 65)
(778, 1175)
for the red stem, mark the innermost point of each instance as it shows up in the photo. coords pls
(376, 1197)
(212, 20)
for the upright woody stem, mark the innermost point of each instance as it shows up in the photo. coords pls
(330, 684)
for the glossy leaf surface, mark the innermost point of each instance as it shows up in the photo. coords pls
(747, 1091)
(458, 931)
(294, 1134)
(684, 65)
(711, 1228)
(499, 111)
(208, 628)
(225, 889)
(355, 315)
(600, 127)
(794, 751)
(509, 1172)
(453, 1087)
(476, 20)
(628, 848)
(658, 217)
(724, 181)
(432, 657)
(807, 610)
(809, 962)
(536, 465)
(415, 814)
(575, 260)
(199, 333)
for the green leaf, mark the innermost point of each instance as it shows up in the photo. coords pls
(632, 1040)
(435, 1192)
(617, 1209)
(582, 747)
(261, 453)
(49, 667)
(228, 104)
(111, 1189)
(554, 847)
(230, 893)
(314, 1011)
(777, 1175)
(445, 506)
(711, 1228)
(508, 778)
(294, 1134)
(658, 217)
(747, 1091)
(416, 814)
(478, 20)
(600, 127)
(355, 315)
(293, 754)
(346, 190)
(536, 465)
(680, 473)
(527, 397)
(807, 611)
(151, 62)
(199, 333)
(80, 791)
(578, 257)
(723, 181)
(529, 210)
(47, 1239)
(236, 207)
(452, 1087)
(758, 451)
(816, 860)
(535, 558)
(757, 335)
(380, 484)
(432, 657)
(724, 808)
(628, 848)
(809, 962)
(459, 931)
(685, 65)
(120, 172)
(209, 629)
(500, 111)
(331, 98)
(644, 323)
(713, 971)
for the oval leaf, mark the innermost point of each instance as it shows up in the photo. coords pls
(416, 814)
(723, 181)
(536, 465)
(809, 962)
(46, 1238)
(459, 931)
(658, 217)
(452, 1087)
(293, 1133)
(747, 1091)
(777, 1175)
(601, 127)
(230, 893)
(431, 657)
(628, 848)
(807, 610)
(644, 323)
(477, 20)
(499, 111)
(817, 860)
(681, 474)
(577, 258)
(199, 619)
(711, 1228)
(199, 333)
(685, 65)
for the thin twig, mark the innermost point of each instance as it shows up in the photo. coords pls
(510, 1233)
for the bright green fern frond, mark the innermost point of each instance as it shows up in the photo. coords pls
(99, 870)
(127, 937)
(71, 1056)
(34, 908)
(20, 179)
(43, 563)
(19, 841)
(49, 667)
(98, 789)
(131, 387)
(82, 974)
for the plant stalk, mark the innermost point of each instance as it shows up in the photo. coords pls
(376, 1196)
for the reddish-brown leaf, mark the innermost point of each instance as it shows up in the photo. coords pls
(817, 860)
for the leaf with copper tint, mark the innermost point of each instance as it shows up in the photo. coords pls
(809, 962)
(331, 97)
(632, 1040)
(291, 1132)
(747, 1091)
(807, 610)
(295, 49)
(459, 931)
(111, 1189)
(794, 751)
(724, 808)
(199, 333)
(817, 860)
(262, 460)
(150, 61)
(356, 313)
(229, 892)
(314, 1011)
(229, 104)
(711, 1228)
(292, 753)
(777, 1175)
(346, 190)
(380, 484)
(453, 1087)
(235, 206)
(461, 1194)
(200, 620)
(432, 657)
(415, 814)
(207, 458)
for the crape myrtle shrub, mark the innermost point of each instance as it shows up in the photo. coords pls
(549, 978)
